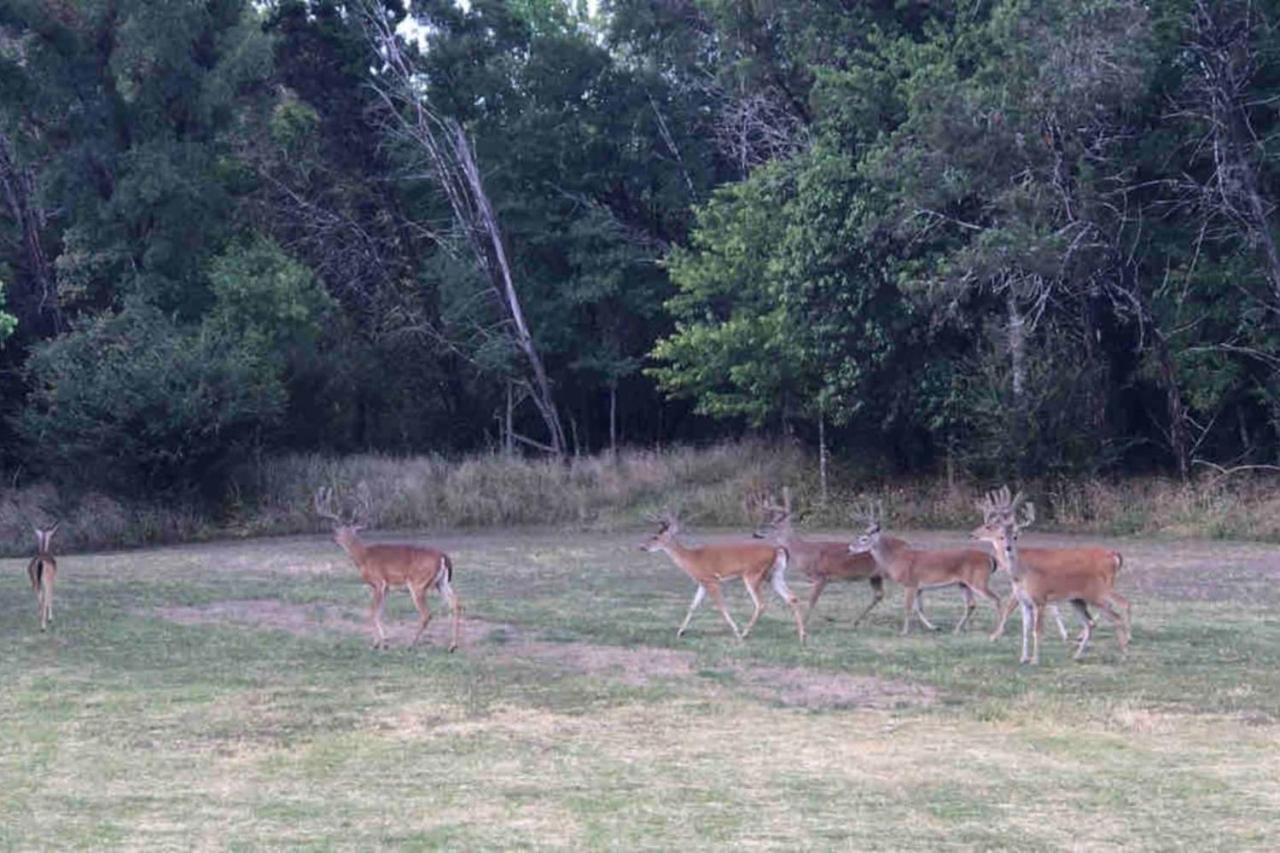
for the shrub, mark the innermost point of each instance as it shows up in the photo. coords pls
(135, 401)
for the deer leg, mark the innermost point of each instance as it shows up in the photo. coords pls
(985, 592)
(1037, 629)
(419, 596)
(1086, 632)
(455, 608)
(924, 620)
(753, 590)
(877, 595)
(379, 599)
(969, 606)
(1026, 630)
(819, 584)
(1005, 612)
(714, 590)
(779, 581)
(50, 575)
(909, 605)
(698, 595)
(1121, 603)
(1122, 634)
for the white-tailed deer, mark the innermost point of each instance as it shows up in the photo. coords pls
(821, 561)
(917, 569)
(43, 570)
(708, 565)
(1079, 575)
(385, 566)
(1033, 556)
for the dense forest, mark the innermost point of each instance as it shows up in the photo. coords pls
(987, 236)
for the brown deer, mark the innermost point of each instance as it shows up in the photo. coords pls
(385, 566)
(43, 571)
(708, 565)
(821, 561)
(1034, 556)
(917, 569)
(1079, 575)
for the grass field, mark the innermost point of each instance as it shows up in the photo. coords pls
(224, 696)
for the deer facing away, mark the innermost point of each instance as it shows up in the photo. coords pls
(42, 571)
(708, 565)
(1079, 575)
(917, 569)
(384, 567)
(820, 561)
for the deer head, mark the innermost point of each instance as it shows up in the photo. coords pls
(871, 514)
(668, 526)
(346, 529)
(44, 536)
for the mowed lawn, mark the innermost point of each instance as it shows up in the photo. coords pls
(225, 696)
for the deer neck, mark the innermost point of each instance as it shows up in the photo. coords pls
(680, 554)
(886, 549)
(354, 547)
(1010, 558)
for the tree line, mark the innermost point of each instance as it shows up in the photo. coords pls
(991, 237)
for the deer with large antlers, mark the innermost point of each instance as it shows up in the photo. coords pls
(1042, 576)
(1034, 556)
(383, 567)
(42, 571)
(918, 569)
(821, 561)
(708, 565)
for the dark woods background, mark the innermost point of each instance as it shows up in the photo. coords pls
(989, 238)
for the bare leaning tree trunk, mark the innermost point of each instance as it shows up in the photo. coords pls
(448, 155)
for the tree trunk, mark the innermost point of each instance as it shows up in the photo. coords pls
(500, 269)
(822, 456)
(1017, 349)
(613, 418)
(509, 433)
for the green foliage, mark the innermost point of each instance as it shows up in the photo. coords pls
(8, 322)
(136, 400)
(262, 294)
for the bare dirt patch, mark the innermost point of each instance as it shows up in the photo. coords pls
(810, 689)
(636, 666)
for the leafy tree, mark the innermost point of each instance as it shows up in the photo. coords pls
(136, 400)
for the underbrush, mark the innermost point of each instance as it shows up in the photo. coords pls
(707, 486)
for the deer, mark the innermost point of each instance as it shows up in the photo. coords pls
(821, 561)
(987, 506)
(42, 571)
(1082, 576)
(917, 569)
(384, 566)
(708, 565)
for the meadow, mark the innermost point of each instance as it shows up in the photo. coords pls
(224, 695)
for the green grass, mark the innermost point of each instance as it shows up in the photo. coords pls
(572, 717)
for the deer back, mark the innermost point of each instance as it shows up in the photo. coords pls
(724, 559)
(396, 564)
(1057, 573)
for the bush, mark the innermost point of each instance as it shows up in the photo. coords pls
(135, 401)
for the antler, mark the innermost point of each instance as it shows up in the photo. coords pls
(665, 518)
(1027, 514)
(1001, 505)
(871, 512)
(364, 503)
(323, 503)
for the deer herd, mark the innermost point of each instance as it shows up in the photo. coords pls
(1040, 577)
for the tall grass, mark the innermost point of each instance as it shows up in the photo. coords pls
(707, 486)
